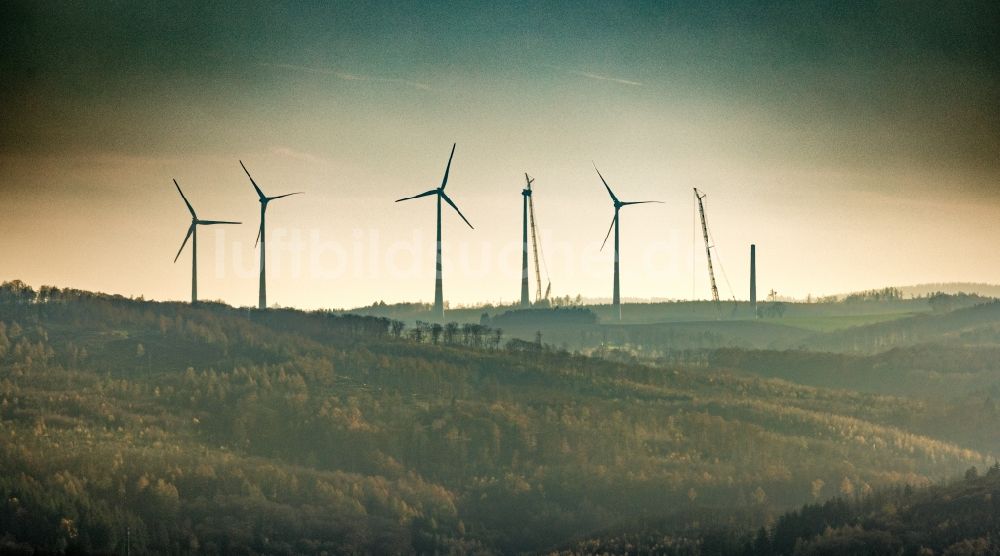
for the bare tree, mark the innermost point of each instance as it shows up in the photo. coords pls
(450, 332)
(497, 338)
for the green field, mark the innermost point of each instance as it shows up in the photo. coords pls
(838, 322)
(658, 328)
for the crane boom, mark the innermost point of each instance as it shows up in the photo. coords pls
(534, 243)
(708, 248)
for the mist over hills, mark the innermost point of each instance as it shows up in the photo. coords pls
(689, 331)
(906, 292)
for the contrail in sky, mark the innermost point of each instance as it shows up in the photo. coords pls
(350, 76)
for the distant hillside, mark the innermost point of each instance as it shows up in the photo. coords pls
(923, 290)
(539, 319)
(960, 385)
(975, 325)
(212, 429)
(664, 312)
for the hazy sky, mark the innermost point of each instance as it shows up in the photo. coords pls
(857, 143)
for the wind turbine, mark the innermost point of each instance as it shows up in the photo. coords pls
(616, 302)
(264, 200)
(192, 234)
(438, 294)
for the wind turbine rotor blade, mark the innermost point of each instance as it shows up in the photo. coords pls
(606, 186)
(449, 201)
(190, 208)
(259, 232)
(259, 192)
(212, 222)
(447, 169)
(285, 195)
(609, 231)
(640, 202)
(186, 238)
(424, 194)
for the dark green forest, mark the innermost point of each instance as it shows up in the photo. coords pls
(130, 425)
(961, 518)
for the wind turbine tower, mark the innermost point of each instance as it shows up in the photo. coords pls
(192, 234)
(439, 192)
(261, 237)
(616, 304)
(753, 279)
(526, 196)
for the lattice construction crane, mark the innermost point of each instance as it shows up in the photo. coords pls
(534, 245)
(708, 249)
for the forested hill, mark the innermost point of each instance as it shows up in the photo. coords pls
(173, 428)
(960, 518)
(921, 290)
(977, 325)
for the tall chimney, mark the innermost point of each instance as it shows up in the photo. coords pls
(753, 279)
